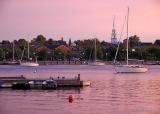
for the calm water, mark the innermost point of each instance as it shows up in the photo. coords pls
(110, 93)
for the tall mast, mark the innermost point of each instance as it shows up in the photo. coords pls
(95, 53)
(13, 51)
(28, 49)
(127, 32)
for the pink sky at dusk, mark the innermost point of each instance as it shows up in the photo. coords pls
(77, 19)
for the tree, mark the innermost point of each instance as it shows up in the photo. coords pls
(154, 53)
(42, 55)
(40, 39)
(134, 41)
(22, 43)
(50, 41)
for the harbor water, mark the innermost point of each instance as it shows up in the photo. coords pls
(109, 93)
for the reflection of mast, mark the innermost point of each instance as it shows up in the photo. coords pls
(113, 35)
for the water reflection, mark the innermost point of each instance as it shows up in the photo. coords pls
(109, 93)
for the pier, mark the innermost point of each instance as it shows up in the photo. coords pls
(22, 82)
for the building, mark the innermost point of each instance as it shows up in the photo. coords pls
(125, 43)
(63, 49)
(146, 44)
(113, 35)
(157, 43)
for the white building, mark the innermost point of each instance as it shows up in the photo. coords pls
(113, 35)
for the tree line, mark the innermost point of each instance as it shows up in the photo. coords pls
(49, 49)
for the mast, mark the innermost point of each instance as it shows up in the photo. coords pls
(28, 50)
(127, 33)
(13, 52)
(95, 53)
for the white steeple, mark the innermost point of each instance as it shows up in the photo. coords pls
(113, 35)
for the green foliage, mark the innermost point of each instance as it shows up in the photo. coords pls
(154, 53)
(42, 55)
(40, 39)
(84, 49)
(134, 41)
(22, 43)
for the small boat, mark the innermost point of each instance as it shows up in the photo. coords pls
(43, 84)
(11, 63)
(6, 85)
(29, 63)
(97, 63)
(85, 83)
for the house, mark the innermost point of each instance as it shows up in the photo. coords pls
(125, 43)
(42, 48)
(63, 49)
(157, 43)
(146, 44)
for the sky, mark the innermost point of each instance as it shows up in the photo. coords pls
(78, 19)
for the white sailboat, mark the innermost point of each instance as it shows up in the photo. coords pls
(29, 63)
(13, 62)
(129, 68)
(96, 62)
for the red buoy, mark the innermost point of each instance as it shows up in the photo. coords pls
(70, 98)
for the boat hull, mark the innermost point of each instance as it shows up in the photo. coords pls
(29, 64)
(130, 69)
(11, 63)
(97, 64)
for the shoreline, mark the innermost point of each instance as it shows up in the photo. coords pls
(84, 62)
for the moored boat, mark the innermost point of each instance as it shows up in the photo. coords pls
(129, 68)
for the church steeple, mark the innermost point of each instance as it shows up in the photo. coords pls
(113, 36)
(70, 42)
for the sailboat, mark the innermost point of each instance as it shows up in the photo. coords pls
(29, 63)
(129, 68)
(13, 62)
(96, 62)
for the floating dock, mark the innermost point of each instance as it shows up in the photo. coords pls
(22, 82)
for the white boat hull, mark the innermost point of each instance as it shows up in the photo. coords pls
(86, 83)
(130, 69)
(97, 64)
(29, 64)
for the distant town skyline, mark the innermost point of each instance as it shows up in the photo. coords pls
(78, 19)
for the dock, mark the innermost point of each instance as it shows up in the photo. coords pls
(22, 82)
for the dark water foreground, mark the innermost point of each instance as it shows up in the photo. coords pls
(110, 93)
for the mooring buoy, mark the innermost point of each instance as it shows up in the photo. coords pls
(71, 98)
